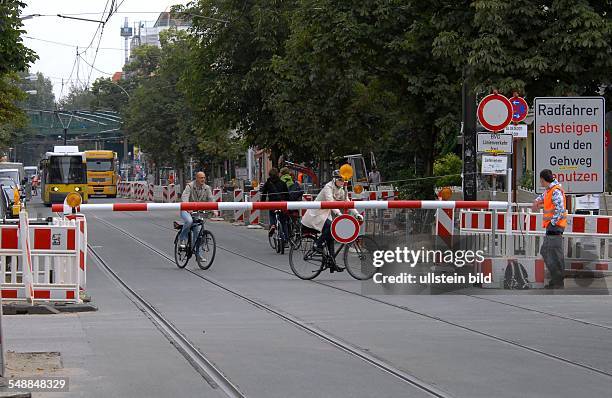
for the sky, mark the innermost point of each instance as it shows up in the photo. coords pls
(57, 61)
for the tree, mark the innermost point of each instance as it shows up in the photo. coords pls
(448, 168)
(14, 57)
(78, 98)
(230, 77)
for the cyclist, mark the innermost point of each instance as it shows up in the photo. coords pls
(320, 219)
(275, 190)
(195, 191)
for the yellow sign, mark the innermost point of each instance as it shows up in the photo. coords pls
(346, 171)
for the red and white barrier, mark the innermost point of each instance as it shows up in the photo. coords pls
(43, 262)
(445, 223)
(150, 195)
(241, 206)
(239, 210)
(254, 213)
(217, 197)
(532, 222)
(170, 193)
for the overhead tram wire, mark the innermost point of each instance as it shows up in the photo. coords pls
(68, 44)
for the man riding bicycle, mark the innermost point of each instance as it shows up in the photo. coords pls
(195, 191)
(320, 219)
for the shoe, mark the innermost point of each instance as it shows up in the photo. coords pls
(318, 249)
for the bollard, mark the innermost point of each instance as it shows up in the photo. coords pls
(239, 213)
(253, 219)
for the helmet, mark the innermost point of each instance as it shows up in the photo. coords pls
(336, 175)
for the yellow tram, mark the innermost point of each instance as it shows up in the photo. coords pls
(63, 171)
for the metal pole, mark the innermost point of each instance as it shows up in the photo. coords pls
(65, 136)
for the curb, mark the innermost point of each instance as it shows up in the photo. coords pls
(45, 309)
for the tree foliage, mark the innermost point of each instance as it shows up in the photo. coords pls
(14, 57)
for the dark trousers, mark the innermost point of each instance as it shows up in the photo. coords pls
(327, 237)
(552, 253)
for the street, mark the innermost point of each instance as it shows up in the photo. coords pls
(273, 335)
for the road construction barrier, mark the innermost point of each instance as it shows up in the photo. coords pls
(587, 241)
(243, 206)
(240, 210)
(43, 262)
(217, 196)
(308, 198)
(170, 193)
(253, 219)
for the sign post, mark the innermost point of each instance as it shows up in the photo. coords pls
(570, 141)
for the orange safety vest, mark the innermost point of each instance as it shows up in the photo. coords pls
(549, 208)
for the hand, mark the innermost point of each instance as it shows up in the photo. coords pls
(359, 218)
(535, 205)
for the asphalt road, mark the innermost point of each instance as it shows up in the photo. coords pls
(244, 317)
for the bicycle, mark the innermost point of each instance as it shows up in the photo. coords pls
(276, 239)
(307, 263)
(205, 245)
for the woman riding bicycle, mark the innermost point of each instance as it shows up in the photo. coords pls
(320, 219)
(195, 191)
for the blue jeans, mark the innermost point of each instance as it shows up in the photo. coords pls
(188, 222)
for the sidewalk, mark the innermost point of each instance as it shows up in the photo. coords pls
(114, 352)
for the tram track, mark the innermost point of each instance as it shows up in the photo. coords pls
(400, 307)
(212, 374)
(476, 297)
(329, 338)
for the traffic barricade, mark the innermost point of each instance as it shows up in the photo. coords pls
(217, 196)
(252, 221)
(43, 262)
(239, 212)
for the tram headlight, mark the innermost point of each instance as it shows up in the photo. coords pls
(55, 189)
(77, 189)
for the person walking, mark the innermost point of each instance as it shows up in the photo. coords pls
(555, 221)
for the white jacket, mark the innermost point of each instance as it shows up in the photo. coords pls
(315, 219)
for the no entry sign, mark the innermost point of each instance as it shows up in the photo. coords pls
(570, 140)
(495, 112)
(345, 228)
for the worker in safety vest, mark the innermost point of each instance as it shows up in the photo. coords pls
(555, 221)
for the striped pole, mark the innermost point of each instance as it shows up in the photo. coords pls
(241, 207)
(239, 210)
(253, 221)
(307, 198)
(217, 197)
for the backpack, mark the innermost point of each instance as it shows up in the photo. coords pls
(295, 192)
(515, 276)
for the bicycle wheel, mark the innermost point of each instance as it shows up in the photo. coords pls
(305, 262)
(181, 257)
(206, 249)
(296, 232)
(272, 239)
(359, 257)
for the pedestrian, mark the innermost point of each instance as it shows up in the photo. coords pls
(374, 178)
(555, 221)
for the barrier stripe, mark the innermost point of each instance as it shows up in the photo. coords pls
(362, 205)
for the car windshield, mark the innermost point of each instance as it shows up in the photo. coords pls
(67, 170)
(99, 164)
(7, 182)
(12, 174)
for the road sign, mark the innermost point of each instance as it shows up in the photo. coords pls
(494, 165)
(519, 109)
(587, 202)
(495, 112)
(494, 143)
(517, 130)
(345, 228)
(570, 141)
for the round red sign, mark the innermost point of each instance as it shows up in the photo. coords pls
(345, 228)
(519, 109)
(495, 112)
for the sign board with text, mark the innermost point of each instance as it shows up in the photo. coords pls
(494, 143)
(517, 130)
(570, 141)
(494, 165)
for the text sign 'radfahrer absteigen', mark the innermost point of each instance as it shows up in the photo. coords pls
(569, 140)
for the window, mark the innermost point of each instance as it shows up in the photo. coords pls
(99, 165)
(66, 170)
